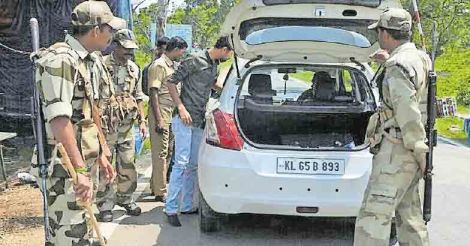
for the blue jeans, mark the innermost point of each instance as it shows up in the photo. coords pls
(184, 172)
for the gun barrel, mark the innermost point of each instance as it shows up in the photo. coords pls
(38, 129)
(427, 203)
(34, 33)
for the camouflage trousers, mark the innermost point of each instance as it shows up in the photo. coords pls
(392, 190)
(122, 146)
(69, 224)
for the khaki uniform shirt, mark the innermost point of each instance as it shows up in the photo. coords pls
(159, 72)
(404, 92)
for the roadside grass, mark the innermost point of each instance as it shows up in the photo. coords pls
(443, 126)
(463, 109)
(304, 76)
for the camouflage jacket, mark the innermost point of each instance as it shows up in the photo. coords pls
(127, 85)
(403, 86)
(68, 79)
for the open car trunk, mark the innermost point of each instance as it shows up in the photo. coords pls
(286, 108)
(304, 130)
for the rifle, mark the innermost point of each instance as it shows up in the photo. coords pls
(430, 131)
(39, 132)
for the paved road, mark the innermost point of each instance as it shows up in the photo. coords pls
(450, 224)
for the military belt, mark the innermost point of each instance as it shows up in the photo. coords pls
(394, 132)
(385, 115)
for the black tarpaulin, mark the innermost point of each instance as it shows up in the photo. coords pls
(16, 86)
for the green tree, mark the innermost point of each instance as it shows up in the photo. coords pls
(453, 47)
(142, 23)
(206, 18)
(452, 18)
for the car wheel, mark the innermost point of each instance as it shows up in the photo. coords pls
(209, 220)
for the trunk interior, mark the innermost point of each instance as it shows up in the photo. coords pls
(305, 130)
(308, 107)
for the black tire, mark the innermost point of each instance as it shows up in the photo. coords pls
(209, 220)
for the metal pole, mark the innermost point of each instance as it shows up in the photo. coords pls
(2, 163)
(39, 133)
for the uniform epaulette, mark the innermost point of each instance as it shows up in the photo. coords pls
(60, 48)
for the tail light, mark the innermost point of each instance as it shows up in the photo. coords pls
(222, 131)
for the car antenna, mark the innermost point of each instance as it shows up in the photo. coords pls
(353, 60)
(257, 58)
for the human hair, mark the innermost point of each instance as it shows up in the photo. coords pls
(176, 43)
(223, 42)
(78, 31)
(162, 41)
(401, 35)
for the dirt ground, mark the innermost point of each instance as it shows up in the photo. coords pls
(21, 216)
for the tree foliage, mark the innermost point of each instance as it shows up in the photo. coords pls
(142, 22)
(206, 17)
(452, 18)
(453, 47)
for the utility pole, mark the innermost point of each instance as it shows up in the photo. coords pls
(162, 17)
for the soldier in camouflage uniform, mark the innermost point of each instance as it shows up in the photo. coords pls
(397, 137)
(68, 79)
(128, 92)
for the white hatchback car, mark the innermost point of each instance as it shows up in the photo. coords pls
(286, 136)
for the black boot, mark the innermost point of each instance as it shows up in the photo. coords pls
(194, 211)
(132, 208)
(160, 198)
(173, 220)
(106, 216)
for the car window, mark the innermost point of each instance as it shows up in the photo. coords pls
(302, 33)
(304, 86)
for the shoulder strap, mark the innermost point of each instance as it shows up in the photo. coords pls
(87, 108)
(91, 111)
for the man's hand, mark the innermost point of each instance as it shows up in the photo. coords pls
(419, 152)
(83, 188)
(185, 116)
(106, 151)
(380, 56)
(143, 130)
(106, 168)
(160, 126)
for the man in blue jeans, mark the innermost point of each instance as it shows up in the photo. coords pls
(198, 75)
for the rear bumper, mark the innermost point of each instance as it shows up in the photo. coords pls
(234, 182)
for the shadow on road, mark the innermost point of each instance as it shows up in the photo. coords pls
(259, 230)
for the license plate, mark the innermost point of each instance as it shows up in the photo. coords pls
(310, 166)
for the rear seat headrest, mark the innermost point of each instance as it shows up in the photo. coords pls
(260, 84)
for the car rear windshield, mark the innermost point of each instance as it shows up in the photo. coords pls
(306, 86)
(302, 33)
(345, 31)
(366, 3)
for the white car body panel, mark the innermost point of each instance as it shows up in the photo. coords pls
(234, 182)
